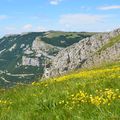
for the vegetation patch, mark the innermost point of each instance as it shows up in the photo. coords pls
(110, 43)
(82, 95)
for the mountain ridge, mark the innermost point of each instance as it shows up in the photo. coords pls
(24, 56)
(83, 54)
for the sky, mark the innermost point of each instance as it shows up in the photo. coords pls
(18, 16)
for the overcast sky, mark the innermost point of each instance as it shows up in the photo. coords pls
(18, 16)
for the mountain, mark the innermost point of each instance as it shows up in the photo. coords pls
(90, 52)
(23, 57)
(92, 92)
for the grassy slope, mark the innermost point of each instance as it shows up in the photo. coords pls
(86, 95)
(110, 43)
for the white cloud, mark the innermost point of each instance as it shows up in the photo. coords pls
(2, 17)
(78, 19)
(55, 2)
(85, 8)
(41, 29)
(30, 27)
(84, 22)
(27, 27)
(10, 28)
(109, 7)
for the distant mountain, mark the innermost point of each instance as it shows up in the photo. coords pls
(24, 57)
(89, 52)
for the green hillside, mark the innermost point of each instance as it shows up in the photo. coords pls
(112, 41)
(81, 95)
(14, 47)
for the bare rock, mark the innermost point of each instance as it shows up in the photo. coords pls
(83, 54)
(30, 61)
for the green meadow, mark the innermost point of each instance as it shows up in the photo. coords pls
(80, 95)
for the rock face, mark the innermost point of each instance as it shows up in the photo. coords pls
(91, 51)
(39, 49)
(109, 55)
(30, 61)
(38, 45)
(42, 48)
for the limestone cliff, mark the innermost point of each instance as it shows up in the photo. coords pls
(91, 51)
(23, 57)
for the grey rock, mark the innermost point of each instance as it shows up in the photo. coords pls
(30, 53)
(30, 61)
(84, 54)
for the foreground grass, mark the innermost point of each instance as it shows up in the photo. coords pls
(82, 95)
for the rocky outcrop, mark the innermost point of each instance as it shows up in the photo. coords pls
(30, 61)
(85, 54)
(38, 45)
(39, 49)
(23, 57)
(109, 55)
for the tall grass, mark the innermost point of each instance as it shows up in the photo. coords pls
(82, 95)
